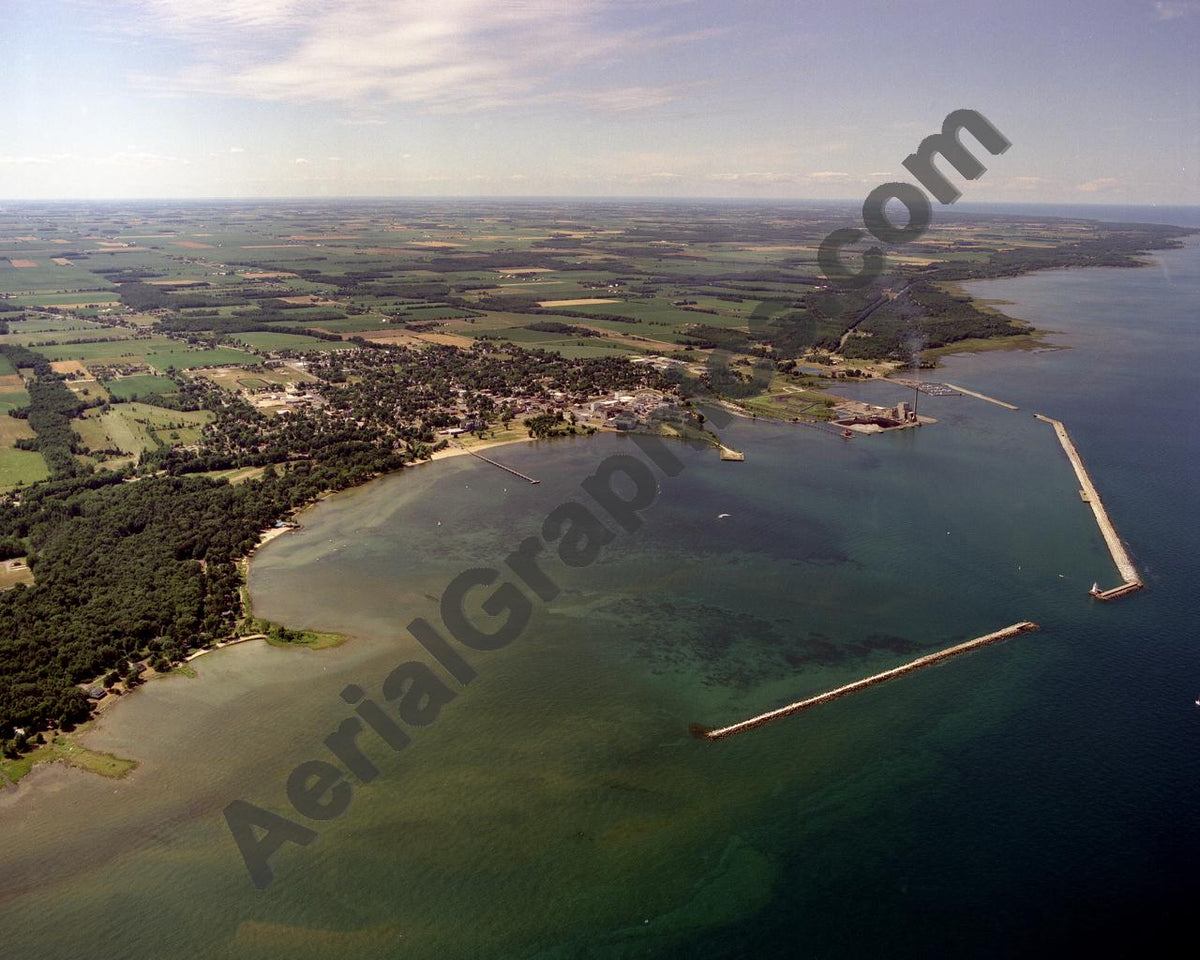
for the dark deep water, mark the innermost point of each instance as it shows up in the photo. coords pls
(1039, 795)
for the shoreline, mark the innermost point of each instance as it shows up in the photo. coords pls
(451, 450)
(63, 747)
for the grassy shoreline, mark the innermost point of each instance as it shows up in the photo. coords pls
(1034, 340)
(62, 748)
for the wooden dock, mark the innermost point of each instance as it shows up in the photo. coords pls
(1132, 582)
(721, 733)
(515, 473)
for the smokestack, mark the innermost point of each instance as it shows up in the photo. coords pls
(916, 400)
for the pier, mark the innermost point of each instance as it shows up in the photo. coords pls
(515, 473)
(1132, 582)
(1025, 626)
(982, 396)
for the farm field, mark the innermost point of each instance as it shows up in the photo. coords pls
(77, 334)
(652, 277)
(287, 341)
(239, 379)
(159, 352)
(13, 429)
(134, 427)
(21, 467)
(126, 388)
(48, 323)
(11, 399)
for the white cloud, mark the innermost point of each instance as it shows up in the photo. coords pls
(33, 161)
(1029, 183)
(301, 160)
(237, 149)
(443, 55)
(142, 158)
(753, 177)
(1099, 184)
(1174, 9)
(188, 16)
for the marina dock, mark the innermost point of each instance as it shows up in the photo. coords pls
(1025, 626)
(1132, 582)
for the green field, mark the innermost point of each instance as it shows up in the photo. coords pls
(11, 399)
(350, 324)
(46, 276)
(6, 367)
(66, 337)
(183, 358)
(158, 352)
(45, 324)
(68, 299)
(134, 427)
(21, 466)
(118, 350)
(143, 386)
(287, 341)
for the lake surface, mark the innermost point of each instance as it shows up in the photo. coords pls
(1038, 794)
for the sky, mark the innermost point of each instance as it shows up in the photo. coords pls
(656, 98)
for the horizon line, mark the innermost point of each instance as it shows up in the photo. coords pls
(626, 198)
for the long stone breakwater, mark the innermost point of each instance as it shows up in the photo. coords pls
(1132, 582)
(983, 396)
(706, 733)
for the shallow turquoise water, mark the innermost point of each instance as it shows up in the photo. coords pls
(1037, 793)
